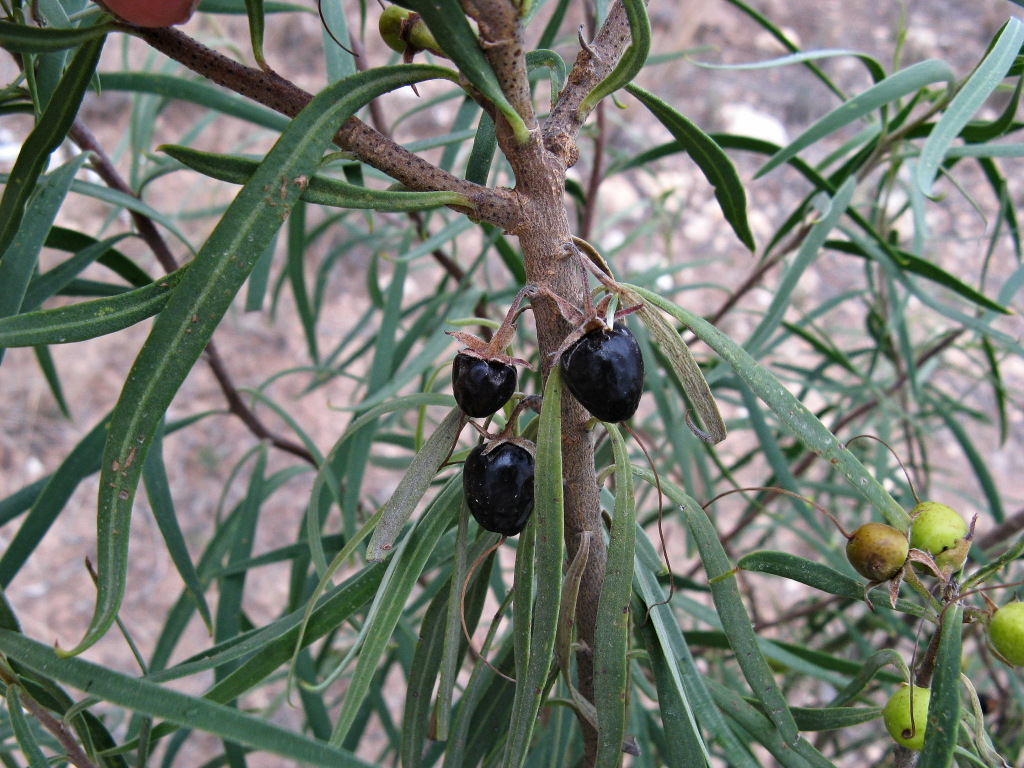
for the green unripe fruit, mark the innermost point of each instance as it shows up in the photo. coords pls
(1006, 631)
(936, 527)
(896, 715)
(877, 551)
(390, 27)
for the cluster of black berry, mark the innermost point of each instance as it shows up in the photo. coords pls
(603, 369)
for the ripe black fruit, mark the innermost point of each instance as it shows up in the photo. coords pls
(481, 387)
(605, 371)
(499, 487)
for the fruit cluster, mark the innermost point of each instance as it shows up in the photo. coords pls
(602, 367)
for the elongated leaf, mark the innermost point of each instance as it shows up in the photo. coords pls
(18, 263)
(794, 414)
(799, 755)
(808, 252)
(79, 464)
(160, 501)
(22, 38)
(968, 100)
(54, 281)
(254, 10)
(547, 525)
(928, 270)
(414, 484)
(321, 190)
(943, 730)
(196, 92)
(899, 84)
(185, 325)
(187, 711)
(450, 28)
(24, 735)
(632, 59)
(611, 637)
(821, 577)
(736, 623)
(88, 319)
(48, 133)
(709, 157)
(402, 574)
(833, 718)
(687, 370)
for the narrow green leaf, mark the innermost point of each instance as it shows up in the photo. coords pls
(611, 636)
(687, 370)
(24, 734)
(195, 309)
(195, 91)
(631, 61)
(737, 624)
(88, 319)
(672, 704)
(402, 574)
(895, 86)
(927, 269)
(18, 263)
(340, 63)
(765, 23)
(448, 24)
(77, 465)
(322, 190)
(455, 645)
(968, 100)
(871, 667)
(547, 525)
(334, 608)
(709, 157)
(821, 577)
(683, 697)
(543, 57)
(22, 38)
(564, 637)
(943, 730)
(482, 154)
(834, 209)
(794, 414)
(254, 10)
(55, 280)
(48, 133)
(186, 711)
(790, 755)
(158, 491)
(414, 485)
(49, 370)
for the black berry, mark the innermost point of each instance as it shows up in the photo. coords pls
(605, 371)
(481, 387)
(499, 487)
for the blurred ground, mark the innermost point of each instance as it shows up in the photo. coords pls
(52, 594)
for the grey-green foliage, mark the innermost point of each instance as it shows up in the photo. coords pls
(917, 348)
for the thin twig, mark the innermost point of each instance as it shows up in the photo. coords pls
(75, 754)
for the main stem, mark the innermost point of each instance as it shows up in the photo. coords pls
(551, 263)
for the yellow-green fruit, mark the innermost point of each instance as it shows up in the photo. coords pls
(897, 716)
(877, 551)
(390, 27)
(936, 527)
(1006, 631)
